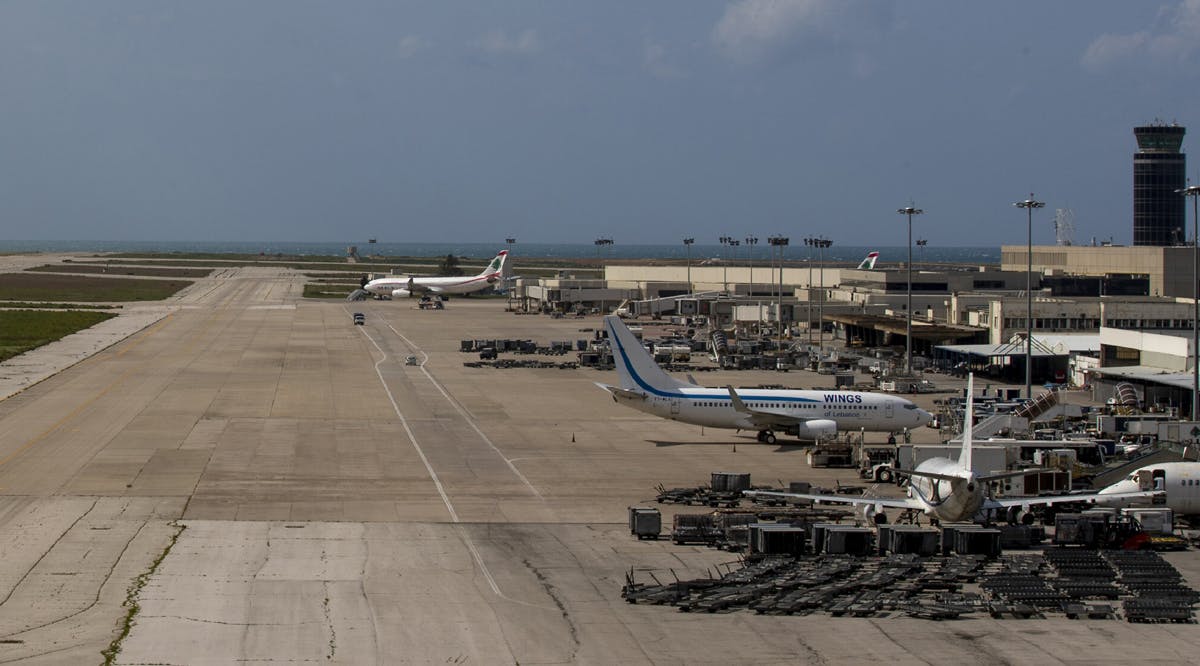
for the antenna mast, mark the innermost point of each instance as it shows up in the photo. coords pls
(1064, 226)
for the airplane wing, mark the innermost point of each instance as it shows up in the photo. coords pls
(856, 500)
(761, 418)
(1090, 498)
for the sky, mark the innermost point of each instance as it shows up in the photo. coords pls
(562, 122)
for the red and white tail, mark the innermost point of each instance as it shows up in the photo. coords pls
(869, 262)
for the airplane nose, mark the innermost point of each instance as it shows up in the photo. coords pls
(925, 417)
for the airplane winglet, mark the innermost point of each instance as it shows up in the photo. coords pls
(738, 405)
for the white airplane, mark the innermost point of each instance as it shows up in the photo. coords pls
(405, 287)
(950, 490)
(869, 262)
(1179, 481)
(802, 414)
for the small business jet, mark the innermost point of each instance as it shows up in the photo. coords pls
(951, 491)
(1179, 481)
(808, 415)
(404, 287)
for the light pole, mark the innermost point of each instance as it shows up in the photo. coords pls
(779, 242)
(809, 242)
(687, 243)
(734, 243)
(1193, 191)
(821, 244)
(751, 241)
(1029, 204)
(909, 211)
(725, 240)
(921, 243)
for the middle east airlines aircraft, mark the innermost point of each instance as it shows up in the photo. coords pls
(951, 490)
(869, 262)
(405, 287)
(802, 414)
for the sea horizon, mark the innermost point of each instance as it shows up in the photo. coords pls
(698, 252)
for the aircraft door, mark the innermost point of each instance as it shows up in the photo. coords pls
(674, 402)
(1159, 477)
(887, 410)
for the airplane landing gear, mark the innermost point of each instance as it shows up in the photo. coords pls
(766, 436)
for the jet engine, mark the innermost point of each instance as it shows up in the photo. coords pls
(873, 513)
(1019, 516)
(401, 293)
(814, 430)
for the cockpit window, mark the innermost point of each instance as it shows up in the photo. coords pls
(910, 406)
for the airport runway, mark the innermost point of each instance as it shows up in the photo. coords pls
(312, 498)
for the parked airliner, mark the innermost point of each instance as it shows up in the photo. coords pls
(869, 262)
(405, 287)
(1180, 481)
(951, 490)
(809, 415)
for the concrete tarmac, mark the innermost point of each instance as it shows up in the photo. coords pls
(267, 482)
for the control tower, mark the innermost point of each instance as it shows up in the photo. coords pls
(1159, 168)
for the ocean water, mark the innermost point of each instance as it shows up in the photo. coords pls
(760, 253)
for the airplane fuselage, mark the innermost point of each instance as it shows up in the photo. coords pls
(1180, 481)
(948, 500)
(851, 410)
(440, 285)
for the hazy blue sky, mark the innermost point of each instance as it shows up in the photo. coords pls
(562, 121)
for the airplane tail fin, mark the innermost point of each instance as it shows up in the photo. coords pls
(496, 265)
(635, 367)
(869, 262)
(964, 458)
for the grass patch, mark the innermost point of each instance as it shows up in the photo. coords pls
(131, 599)
(51, 287)
(22, 305)
(339, 267)
(148, 271)
(22, 330)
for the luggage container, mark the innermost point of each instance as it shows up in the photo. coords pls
(693, 528)
(978, 541)
(1021, 536)
(645, 522)
(846, 540)
(776, 539)
(948, 532)
(913, 540)
(730, 481)
(817, 535)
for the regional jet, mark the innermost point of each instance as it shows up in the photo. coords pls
(405, 287)
(951, 490)
(808, 415)
(1179, 481)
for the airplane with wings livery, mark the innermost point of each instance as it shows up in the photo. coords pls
(807, 415)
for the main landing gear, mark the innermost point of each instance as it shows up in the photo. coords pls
(766, 436)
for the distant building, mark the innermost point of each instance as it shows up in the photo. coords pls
(1159, 169)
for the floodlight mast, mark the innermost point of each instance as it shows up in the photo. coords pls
(1029, 204)
(909, 211)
